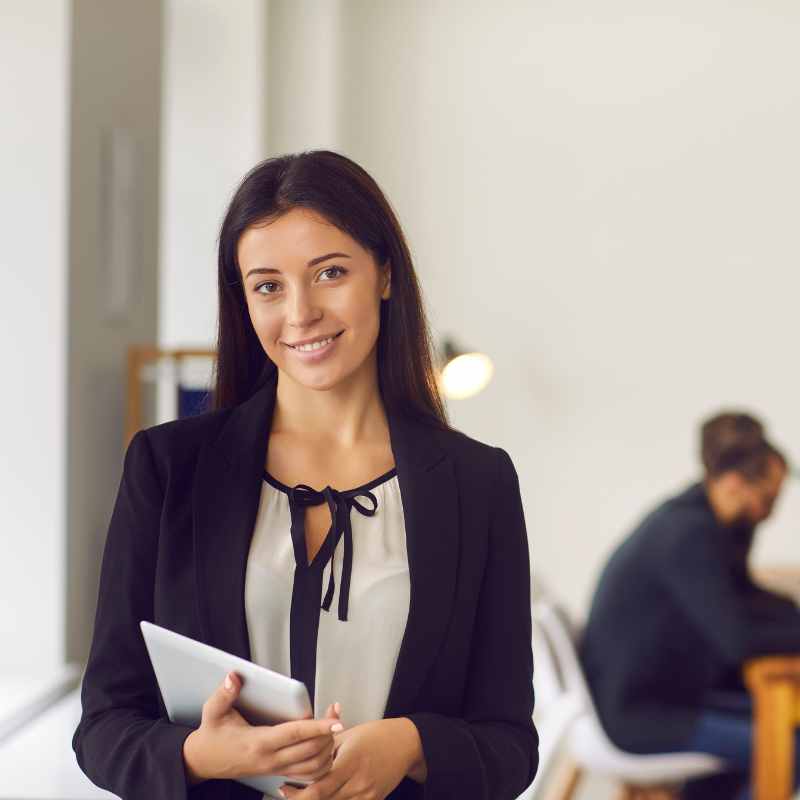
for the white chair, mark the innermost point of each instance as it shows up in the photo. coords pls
(554, 712)
(552, 728)
(589, 747)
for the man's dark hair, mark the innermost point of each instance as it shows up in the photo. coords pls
(735, 442)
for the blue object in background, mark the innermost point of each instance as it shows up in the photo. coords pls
(192, 402)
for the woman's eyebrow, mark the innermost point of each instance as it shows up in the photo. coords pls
(312, 263)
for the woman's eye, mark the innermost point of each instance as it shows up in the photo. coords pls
(270, 287)
(340, 270)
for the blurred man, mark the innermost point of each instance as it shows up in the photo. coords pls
(675, 612)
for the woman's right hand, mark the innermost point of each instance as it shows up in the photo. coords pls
(227, 746)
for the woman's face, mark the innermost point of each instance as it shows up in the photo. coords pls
(306, 281)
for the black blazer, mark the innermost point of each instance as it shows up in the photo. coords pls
(176, 553)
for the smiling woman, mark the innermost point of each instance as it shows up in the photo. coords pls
(311, 230)
(398, 592)
(317, 321)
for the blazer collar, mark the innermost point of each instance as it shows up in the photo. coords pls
(226, 495)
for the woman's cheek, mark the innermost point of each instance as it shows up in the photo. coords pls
(267, 330)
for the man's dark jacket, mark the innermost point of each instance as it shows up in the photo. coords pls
(674, 613)
(176, 552)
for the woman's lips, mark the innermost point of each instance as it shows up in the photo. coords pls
(313, 356)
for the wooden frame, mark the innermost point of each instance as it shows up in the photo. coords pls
(138, 357)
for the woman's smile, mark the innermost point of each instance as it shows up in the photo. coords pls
(316, 351)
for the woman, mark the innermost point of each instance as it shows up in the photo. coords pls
(402, 594)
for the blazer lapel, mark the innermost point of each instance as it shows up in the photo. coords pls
(227, 490)
(430, 507)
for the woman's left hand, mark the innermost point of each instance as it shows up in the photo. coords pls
(369, 761)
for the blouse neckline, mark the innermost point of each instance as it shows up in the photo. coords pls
(365, 487)
(341, 504)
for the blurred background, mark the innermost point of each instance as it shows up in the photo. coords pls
(601, 197)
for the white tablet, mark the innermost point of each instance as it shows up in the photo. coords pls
(188, 672)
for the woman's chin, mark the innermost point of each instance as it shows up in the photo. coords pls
(316, 379)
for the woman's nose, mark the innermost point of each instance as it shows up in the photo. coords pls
(302, 311)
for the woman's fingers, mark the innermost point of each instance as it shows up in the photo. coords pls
(275, 746)
(308, 770)
(286, 734)
(223, 698)
(311, 768)
(309, 756)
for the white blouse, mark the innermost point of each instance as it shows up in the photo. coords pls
(341, 640)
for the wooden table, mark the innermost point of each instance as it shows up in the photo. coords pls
(774, 683)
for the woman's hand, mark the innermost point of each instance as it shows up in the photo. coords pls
(370, 760)
(227, 746)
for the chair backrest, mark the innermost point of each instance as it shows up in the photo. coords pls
(547, 682)
(553, 622)
(552, 729)
(555, 709)
(586, 736)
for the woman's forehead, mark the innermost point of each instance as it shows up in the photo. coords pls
(299, 234)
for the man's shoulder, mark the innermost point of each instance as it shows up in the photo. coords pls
(678, 521)
(687, 510)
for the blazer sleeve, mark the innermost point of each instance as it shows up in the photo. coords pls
(491, 753)
(122, 743)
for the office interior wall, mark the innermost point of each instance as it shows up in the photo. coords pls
(34, 85)
(212, 133)
(304, 82)
(115, 109)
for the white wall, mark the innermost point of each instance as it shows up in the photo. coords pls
(34, 71)
(303, 76)
(212, 132)
(604, 198)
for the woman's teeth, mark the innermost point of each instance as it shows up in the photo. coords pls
(305, 348)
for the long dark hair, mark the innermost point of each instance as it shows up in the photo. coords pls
(345, 194)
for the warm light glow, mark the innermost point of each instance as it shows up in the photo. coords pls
(466, 375)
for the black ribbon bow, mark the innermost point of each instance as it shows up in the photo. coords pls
(339, 504)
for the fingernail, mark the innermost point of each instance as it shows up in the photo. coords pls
(337, 708)
(336, 727)
(228, 682)
(283, 794)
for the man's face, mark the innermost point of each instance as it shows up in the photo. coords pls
(758, 497)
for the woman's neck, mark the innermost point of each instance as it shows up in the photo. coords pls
(350, 413)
